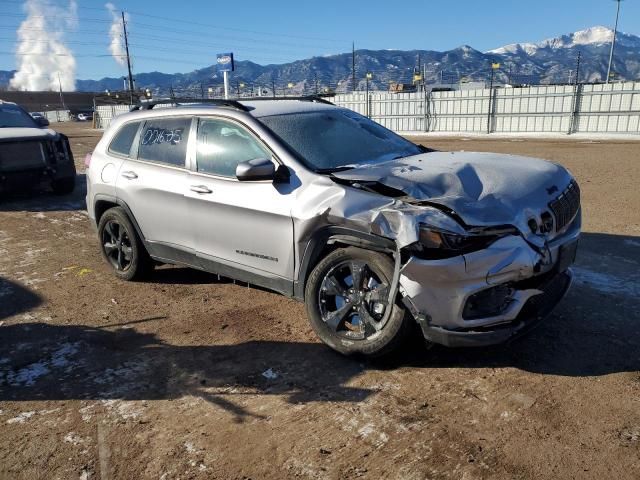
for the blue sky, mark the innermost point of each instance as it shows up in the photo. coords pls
(174, 36)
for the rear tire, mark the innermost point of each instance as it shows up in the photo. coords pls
(63, 186)
(346, 298)
(121, 246)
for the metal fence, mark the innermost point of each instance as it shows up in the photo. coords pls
(57, 115)
(582, 108)
(104, 113)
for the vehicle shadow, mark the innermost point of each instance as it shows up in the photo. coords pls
(43, 200)
(595, 331)
(40, 361)
(15, 299)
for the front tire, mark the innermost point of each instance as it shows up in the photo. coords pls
(121, 247)
(347, 302)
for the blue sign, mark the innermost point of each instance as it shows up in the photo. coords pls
(225, 62)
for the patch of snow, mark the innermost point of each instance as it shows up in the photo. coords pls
(85, 412)
(607, 283)
(126, 410)
(270, 374)
(73, 438)
(366, 430)
(5, 289)
(27, 376)
(21, 418)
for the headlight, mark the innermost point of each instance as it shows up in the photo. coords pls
(438, 243)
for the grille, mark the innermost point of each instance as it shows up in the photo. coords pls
(16, 156)
(566, 205)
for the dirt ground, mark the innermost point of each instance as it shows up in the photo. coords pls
(185, 376)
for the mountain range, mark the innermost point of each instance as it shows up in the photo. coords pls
(549, 61)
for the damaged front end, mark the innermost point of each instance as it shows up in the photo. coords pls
(485, 295)
(473, 275)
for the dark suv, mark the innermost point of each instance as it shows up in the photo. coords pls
(32, 155)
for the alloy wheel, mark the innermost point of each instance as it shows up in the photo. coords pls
(117, 245)
(353, 299)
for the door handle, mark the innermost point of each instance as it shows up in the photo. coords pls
(200, 189)
(129, 175)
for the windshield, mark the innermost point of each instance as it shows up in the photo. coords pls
(14, 116)
(332, 140)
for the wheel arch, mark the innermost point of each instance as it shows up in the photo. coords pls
(105, 202)
(331, 238)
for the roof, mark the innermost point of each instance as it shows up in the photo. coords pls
(265, 108)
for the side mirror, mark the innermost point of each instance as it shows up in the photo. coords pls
(42, 121)
(257, 169)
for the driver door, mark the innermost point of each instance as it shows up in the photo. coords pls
(245, 225)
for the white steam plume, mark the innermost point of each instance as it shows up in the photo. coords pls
(116, 33)
(44, 61)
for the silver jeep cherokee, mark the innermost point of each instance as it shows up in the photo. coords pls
(319, 203)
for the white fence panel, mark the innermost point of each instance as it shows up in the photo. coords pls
(585, 108)
(104, 114)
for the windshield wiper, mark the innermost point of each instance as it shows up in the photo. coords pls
(333, 170)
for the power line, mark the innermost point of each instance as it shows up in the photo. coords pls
(190, 22)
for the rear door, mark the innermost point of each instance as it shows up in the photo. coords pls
(153, 182)
(246, 225)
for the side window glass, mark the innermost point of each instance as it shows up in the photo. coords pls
(223, 145)
(164, 140)
(121, 143)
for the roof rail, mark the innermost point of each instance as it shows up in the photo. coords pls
(148, 105)
(307, 98)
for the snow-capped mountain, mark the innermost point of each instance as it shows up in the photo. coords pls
(553, 58)
(593, 36)
(549, 61)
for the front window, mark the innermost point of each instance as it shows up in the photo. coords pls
(223, 145)
(14, 116)
(332, 140)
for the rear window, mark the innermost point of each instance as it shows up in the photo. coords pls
(121, 143)
(165, 141)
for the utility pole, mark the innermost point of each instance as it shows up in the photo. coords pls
(368, 77)
(576, 100)
(353, 65)
(126, 46)
(64, 107)
(494, 67)
(613, 42)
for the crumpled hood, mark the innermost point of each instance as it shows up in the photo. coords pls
(482, 188)
(13, 133)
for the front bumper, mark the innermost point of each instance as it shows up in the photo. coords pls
(18, 180)
(438, 292)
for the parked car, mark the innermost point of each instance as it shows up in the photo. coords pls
(40, 118)
(319, 203)
(31, 154)
(85, 117)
